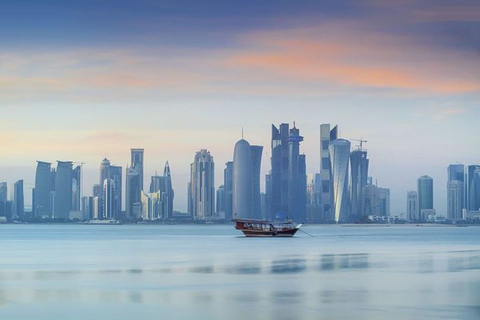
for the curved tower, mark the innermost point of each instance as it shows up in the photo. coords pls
(242, 181)
(339, 150)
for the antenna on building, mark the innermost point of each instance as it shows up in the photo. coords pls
(242, 132)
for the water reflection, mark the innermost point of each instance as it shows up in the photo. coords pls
(203, 269)
(287, 297)
(329, 262)
(244, 268)
(288, 266)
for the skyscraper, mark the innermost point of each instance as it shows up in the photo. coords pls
(163, 185)
(169, 194)
(63, 189)
(473, 187)
(384, 202)
(455, 191)
(256, 167)
(87, 208)
(76, 188)
(326, 192)
(43, 188)
(116, 176)
(297, 177)
(104, 170)
(242, 181)
(339, 150)
(202, 187)
(425, 194)
(132, 192)
(137, 164)
(278, 195)
(18, 199)
(3, 200)
(286, 184)
(412, 206)
(220, 206)
(359, 175)
(228, 185)
(108, 199)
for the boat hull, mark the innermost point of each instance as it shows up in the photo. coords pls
(259, 233)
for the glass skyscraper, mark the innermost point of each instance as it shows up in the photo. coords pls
(425, 194)
(359, 176)
(455, 191)
(43, 189)
(63, 189)
(339, 150)
(137, 164)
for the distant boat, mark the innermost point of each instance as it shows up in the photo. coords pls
(266, 228)
(103, 222)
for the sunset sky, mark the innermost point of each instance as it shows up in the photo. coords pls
(80, 80)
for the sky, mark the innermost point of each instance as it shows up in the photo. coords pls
(81, 80)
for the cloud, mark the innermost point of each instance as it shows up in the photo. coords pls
(354, 56)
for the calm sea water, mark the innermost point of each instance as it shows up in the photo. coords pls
(212, 272)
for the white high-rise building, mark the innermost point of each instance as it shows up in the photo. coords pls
(242, 201)
(202, 187)
(412, 206)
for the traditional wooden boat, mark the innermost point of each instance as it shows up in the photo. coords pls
(265, 228)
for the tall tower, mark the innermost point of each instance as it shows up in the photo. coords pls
(63, 189)
(473, 187)
(108, 199)
(359, 176)
(169, 194)
(116, 176)
(132, 192)
(278, 196)
(256, 167)
(43, 189)
(242, 181)
(202, 187)
(228, 192)
(76, 188)
(137, 164)
(326, 184)
(425, 194)
(339, 150)
(297, 177)
(412, 206)
(104, 170)
(455, 191)
(18, 199)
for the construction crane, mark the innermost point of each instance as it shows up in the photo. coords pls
(361, 142)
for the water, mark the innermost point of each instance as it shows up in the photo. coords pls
(211, 272)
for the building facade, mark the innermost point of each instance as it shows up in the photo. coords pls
(412, 206)
(63, 189)
(136, 162)
(455, 192)
(18, 199)
(339, 150)
(425, 193)
(43, 189)
(326, 186)
(202, 187)
(358, 181)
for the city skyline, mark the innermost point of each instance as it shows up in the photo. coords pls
(87, 80)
